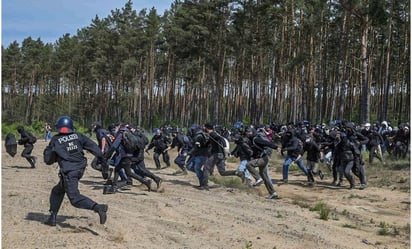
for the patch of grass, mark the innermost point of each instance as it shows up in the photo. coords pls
(387, 229)
(232, 160)
(118, 237)
(301, 204)
(249, 245)
(323, 210)
(352, 196)
(228, 181)
(345, 213)
(407, 229)
(349, 226)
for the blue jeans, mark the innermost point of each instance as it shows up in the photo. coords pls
(195, 164)
(242, 168)
(118, 168)
(48, 136)
(288, 161)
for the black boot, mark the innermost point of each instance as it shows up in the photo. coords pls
(51, 221)
(101, 209)
(158, 183)
(148, 184)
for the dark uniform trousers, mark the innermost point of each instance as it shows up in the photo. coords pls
(68, 184)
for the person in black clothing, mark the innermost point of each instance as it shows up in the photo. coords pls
(217, 157)
(358, 140)
(161, 144)
(183, 144)
(125, 160)
(347, 151)
(25, 139)
(375, 141)
(262, 150)
(199, 153)
(66, 148)
(312, 150)
(138, 164)
(244, 152)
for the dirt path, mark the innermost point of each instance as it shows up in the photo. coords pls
(180, 216)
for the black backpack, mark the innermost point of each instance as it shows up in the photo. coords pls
(187, 142)
(143, 140)
(130, 142)
(32, 139)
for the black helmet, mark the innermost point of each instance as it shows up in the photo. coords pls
(20, 129)
(64, 124)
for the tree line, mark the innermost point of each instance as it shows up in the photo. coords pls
(256, 61)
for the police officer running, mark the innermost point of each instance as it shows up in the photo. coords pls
(66, 148)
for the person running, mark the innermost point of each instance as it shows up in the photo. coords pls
(262, 150)
(160, 144)
(217, 157)
(27, 140)
(66, 148)
(294, 154)
(124, 160)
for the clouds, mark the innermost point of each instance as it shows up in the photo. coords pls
(51, 19)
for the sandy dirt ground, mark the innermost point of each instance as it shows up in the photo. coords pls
(181, 216)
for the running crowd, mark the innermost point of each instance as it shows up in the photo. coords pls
(121, 150)
(203, 147)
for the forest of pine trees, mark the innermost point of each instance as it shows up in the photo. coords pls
(221, 61)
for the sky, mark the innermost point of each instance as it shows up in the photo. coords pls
(49, 20)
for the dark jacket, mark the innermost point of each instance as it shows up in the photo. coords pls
(67, 151)
(24, 136)
(201, 144)
(312, 150)
(242, 149)
(160, 143)
(216, 143)
(292, 147)
(261, 146)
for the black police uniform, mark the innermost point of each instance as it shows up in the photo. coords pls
(67, 151)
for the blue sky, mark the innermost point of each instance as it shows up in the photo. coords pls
(49, 20)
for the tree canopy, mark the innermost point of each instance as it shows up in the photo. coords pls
(258, 61)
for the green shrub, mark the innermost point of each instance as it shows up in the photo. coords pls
(323, 210)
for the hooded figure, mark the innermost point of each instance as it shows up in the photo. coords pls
(27, 140)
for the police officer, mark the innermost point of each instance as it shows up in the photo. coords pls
(183, 144)
(66, 148)
(160, 142)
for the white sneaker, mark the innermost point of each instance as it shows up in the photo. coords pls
(258, 182)
(273, 196)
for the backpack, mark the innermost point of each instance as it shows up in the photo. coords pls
(188, 143)
(265, 150)
(226, 144)
(32, 139)
(130, 142)
(143, 140)
(204, 138)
